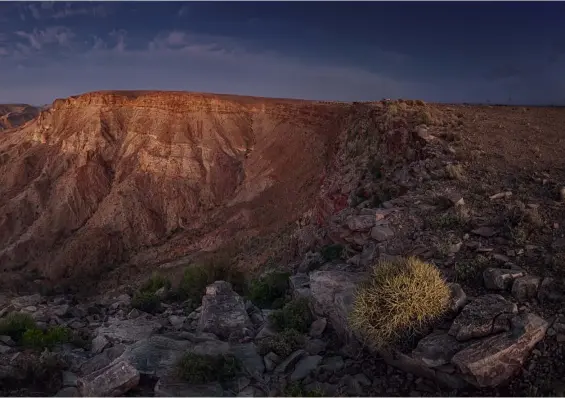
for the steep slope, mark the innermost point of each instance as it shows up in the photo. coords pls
(15, 115)
(101, 177)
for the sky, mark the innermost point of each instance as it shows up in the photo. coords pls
(498, 52)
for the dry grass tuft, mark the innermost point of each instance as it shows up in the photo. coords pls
(455, 172)
(401, 298)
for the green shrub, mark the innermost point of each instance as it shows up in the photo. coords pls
(201, 369)
(272, 287)
(283, 344)
(294, 315)
(15, 325)
(38, 339)
(401, 297)
(155, 283)
(197, 277)
(146, 301)
(332, 252)
(466, 270)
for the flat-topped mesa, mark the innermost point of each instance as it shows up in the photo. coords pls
(141, 166)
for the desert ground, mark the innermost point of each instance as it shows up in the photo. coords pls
(124, 214)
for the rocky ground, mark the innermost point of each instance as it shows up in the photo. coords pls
(476, 191)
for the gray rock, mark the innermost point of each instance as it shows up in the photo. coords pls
(171, 387)
(315, 346)
(4, 349)
(318, 326)
(68, 392)
(501, 279)
(333, 293)
(552, 290)
(69, 379)
(380, 233)
(156, 355)
(26, 301)
(271, 361)
(310, 262)
(7, 340)
(60, 310)
(299, 281)
(437, 349)
(223, 311)
(177, 321)
(129, 330)
(249, 358)
(98, 344)
(250, 391)
(458, 298)
(134, 313)
(287, 365)
(333, 364)
(111, 381)
(369, 254)
(97, 362)
(360, 223)
(485, 232)
(305, 366)
(484, 316)
(526, 288)
(494, 360)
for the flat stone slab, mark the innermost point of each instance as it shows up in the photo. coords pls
(494, 360)
(129, 330)
(482, 317)
(437, 349)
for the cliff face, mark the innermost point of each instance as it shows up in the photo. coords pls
(98, 179)
(12, 116)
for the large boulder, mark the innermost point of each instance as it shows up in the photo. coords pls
(333, 293)
(494, 360)
(128, 330)
(111, 381)
(223, 311)
(482, 317)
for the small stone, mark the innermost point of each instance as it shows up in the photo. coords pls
(271, 361)
(98, 344)
(318, 326)
(333, 364)
(551, 290)
(315, 346)
(458, 298)
(68, 392)
(501, 195)
(26, 301)
(7, 340)
(360, 223)
(485, 232)
(177, 321)
(135, 313)
(381, 233)
(500, 278)
(69, 379)
(289, 362)
(562, 194)
(304, 367)
(437, 349)
(526, 288)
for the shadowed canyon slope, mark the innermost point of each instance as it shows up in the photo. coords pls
(15, 115)
(101, 177)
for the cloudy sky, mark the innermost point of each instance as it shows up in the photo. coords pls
(446, 52)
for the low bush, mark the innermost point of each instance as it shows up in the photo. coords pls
(201, 369)
(294, 315)
(268, 289)
(39, 339)
(146, 301)
(283, 344)
(297, 390)
(400, 298)
(155, 283)
(16, 324)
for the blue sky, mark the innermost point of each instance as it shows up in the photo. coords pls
(436, 51)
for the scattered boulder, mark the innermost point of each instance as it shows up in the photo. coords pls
(458, 298)
(311, 261)
(526, 288)
(318, 326)
(112, 381)
(223, 311)
(170, 386)
(287, 365)
(305, 366)
(381, 233)
(249, 358)
(552, 290)
(437, 349)
(98, 344)
(500, 278)
(26, 301)
(128, 330)
(482, 317)
(494, 360)
(332, 296)
(485, 232)
(360, 223)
